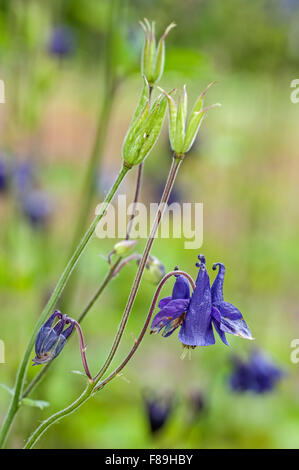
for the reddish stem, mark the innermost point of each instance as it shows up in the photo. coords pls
(145, 326)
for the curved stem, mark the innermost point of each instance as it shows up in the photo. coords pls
(176, 162)
(36, 435)
(113, 271)
(136, 198)
(143, 331)
(90, 389)
(82, 350)
(15, 402)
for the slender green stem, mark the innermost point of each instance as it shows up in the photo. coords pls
(137, 341)
(113, 271)
(15, 402)
(176, 162)
(110, 87)
(36, 435)
(90, 389)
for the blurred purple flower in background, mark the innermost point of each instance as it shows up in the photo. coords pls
(197, 315)
(3, 175)
(37, 208)
(258, 374)
(158, 410)
(24, 177)
(62, 41)
(197, 402)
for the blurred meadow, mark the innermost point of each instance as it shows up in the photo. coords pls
(72, 75)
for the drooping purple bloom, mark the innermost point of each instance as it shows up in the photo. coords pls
(199, 314)
(258, 375)
(62, 41)
(37, 208)
(158, 410)
(51, 339)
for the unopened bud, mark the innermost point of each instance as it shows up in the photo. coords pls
(124, 247)
(51, 339)
(154, 270)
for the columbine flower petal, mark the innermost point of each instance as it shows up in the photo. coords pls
(197, 328)
(235, 327)
(173, 308)
(169, 316)
(216, 320)
(231, 321)
(217, 287)
(181, 288)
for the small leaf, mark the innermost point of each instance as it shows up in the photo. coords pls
(78, 372)
(9, 390)
(41, 404)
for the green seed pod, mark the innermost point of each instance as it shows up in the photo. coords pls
(153, 57)
(179, 129)
(172, 116)
(144, 132)
(153, 128)
(181, 134)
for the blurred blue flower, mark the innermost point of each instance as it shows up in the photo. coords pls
(24, 177)
(3, 176)
(197, 402)
(259, 374)
(62, 41)
(197, 315)
(158, 410)
(37, 208)
(51, 339)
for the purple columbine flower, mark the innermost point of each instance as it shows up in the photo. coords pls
(258, 375)
(51, 339)
(199, 314)
(62, 41)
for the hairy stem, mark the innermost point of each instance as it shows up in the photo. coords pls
(15, 402)
(145, 326)
(176, 162)
(90, 389)
(36, 435)
(113, 271)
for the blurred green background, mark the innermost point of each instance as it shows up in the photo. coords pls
(243, 167)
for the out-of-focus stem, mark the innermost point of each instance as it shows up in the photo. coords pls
(15, 402)
(113, 271)
(88, 189)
